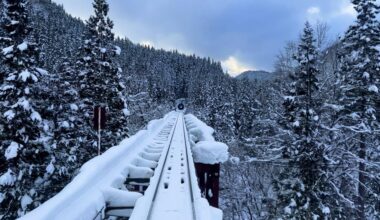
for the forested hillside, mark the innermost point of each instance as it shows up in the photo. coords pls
(303, 145)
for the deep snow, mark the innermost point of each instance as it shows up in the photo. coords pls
(100, 180)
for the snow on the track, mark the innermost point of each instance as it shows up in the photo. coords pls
(101, 179)
(173, 198)
(178, 195)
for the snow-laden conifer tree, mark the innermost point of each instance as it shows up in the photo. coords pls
(99, 77)
(69, 135)
(358, 119)
(22, 153)
(302, 185)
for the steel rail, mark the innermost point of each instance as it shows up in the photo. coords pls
(186, 138)
(162, 168)
(187, 163)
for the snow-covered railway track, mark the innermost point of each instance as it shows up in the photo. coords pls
(173, 196)
(148, 176)
(170, 193)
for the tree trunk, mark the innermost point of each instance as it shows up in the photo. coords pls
(361, 188)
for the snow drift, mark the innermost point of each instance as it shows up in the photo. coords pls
(204, 147)
(210, 152)
(198, 129)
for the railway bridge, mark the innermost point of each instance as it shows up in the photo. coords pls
(168, 171)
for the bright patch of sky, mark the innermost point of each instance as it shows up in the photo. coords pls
(313, 10)
(242, 34)
(234, 67)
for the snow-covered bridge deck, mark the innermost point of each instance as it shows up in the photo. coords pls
(162, 155)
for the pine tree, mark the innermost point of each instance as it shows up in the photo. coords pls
(69, 126)
(99, 75)
(301, 186)
(22, 152)
(359, 84)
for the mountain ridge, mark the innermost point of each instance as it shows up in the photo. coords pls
(260, 75)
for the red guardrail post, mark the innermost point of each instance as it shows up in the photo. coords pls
(208, 181)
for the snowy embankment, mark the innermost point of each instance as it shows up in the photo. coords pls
(204, 147)
(101, 179)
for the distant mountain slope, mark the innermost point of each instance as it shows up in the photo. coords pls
(256, 75)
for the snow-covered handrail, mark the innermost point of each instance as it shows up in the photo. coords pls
(204, 147)
(202, 209)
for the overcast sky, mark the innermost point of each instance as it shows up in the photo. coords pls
(242, 34)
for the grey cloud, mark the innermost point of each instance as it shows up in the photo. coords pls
(253, 31)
